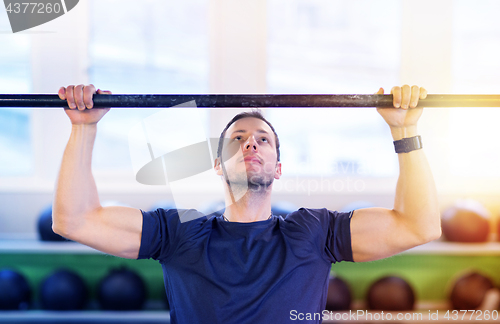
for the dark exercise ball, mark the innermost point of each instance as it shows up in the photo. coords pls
(122, 289)
(469, 291)
(339, 295)
(391, 294)
(45, 231)
(215, 208)
(466, 221)
(15, 292)
(358, 204)
(165, 204)
(283, 208)
(63, 290)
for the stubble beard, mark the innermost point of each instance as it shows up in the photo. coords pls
(242, 182)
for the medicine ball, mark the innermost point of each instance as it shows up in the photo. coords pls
(498, 229)
(339, 295)
(391, 294)
(358, 204)
(216, 208)
(165, 204)
(45, 231)
(469, 291)
(466, 221)
(15, 292)
(121, 289)
(63, 290)
(283, 208)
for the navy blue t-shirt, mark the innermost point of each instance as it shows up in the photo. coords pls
(229, 272)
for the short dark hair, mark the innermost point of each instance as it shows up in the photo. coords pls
(254, 114)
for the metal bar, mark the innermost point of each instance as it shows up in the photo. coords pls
(246, 100)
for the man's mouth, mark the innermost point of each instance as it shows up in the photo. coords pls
(252, 160)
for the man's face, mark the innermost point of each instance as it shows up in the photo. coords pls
(252, 151)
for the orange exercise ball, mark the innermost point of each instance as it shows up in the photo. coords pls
(466, 221)
(498, 228)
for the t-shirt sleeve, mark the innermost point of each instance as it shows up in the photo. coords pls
(163, 230)
(158, 233)
(329, 230)
(338, 236)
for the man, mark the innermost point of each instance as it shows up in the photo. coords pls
(247, 266)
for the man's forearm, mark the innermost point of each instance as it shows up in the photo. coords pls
(416, 195)
(76, 192)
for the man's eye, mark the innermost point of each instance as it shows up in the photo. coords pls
(265, 139)
(237, 137)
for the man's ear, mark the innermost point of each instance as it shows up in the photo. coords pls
(217, 166)
(277, 173)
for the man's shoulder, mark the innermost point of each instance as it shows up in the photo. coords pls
(307, 213)
(315, 216)
(306, 217)
(180, 217)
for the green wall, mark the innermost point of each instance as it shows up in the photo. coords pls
(92, 267)
(430, 275)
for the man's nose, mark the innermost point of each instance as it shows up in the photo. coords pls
(250, 143)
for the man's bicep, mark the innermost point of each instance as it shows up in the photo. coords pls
(114, 230)
(378, 233)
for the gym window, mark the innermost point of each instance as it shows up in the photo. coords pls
(139, 59)
(16, 154)
(474, 150)
(341, 47)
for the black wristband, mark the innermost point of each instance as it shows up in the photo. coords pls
(408, 144)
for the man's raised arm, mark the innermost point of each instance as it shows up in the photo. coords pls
(378, 232)
(77, 213)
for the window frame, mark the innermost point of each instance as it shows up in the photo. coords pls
(422, 43)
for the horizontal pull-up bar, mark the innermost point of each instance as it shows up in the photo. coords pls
(247, 100)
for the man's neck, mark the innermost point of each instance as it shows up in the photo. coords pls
(250, 208)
